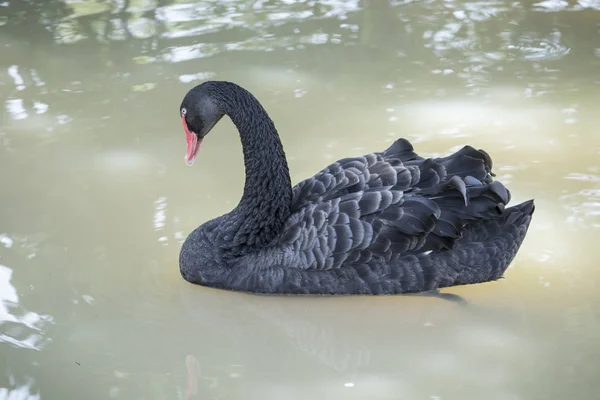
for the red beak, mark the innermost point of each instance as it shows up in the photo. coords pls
(193, 143)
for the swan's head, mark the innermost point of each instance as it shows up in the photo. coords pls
(199, 113)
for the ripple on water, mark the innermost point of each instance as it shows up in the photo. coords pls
(551, 5)
(19, 391)
(532, 46)
(18, 327)
(584, 208)
(584, 205)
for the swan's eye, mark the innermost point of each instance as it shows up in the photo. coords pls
(183, 111)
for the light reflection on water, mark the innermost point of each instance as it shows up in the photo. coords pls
(95, 200)
(19, 391)
(584, 205)
(18, 327)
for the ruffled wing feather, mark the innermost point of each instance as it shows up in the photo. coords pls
(381, 206)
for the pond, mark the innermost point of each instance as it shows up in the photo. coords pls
(96, 200)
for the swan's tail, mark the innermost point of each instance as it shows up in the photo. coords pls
(483, 253)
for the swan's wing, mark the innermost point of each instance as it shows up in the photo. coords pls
(354, 174)
(407, 207)
(324, 236)
(389, 170)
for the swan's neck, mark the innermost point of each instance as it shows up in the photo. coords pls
(266, 202)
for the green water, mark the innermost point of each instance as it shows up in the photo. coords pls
(95, 198)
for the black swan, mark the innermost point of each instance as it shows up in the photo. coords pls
(382, 223)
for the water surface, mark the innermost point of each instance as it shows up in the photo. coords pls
(95, 199)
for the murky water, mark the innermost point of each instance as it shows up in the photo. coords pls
(95, 199)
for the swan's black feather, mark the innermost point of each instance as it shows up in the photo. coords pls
(382, 223)
(410, 205)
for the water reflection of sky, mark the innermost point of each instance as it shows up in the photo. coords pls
(460, 36)
(444, 25)
(584, 204)
(18, 327)
(19, 391)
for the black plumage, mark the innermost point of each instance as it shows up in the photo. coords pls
(382, 223)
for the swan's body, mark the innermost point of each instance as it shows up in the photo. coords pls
(383, 223)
